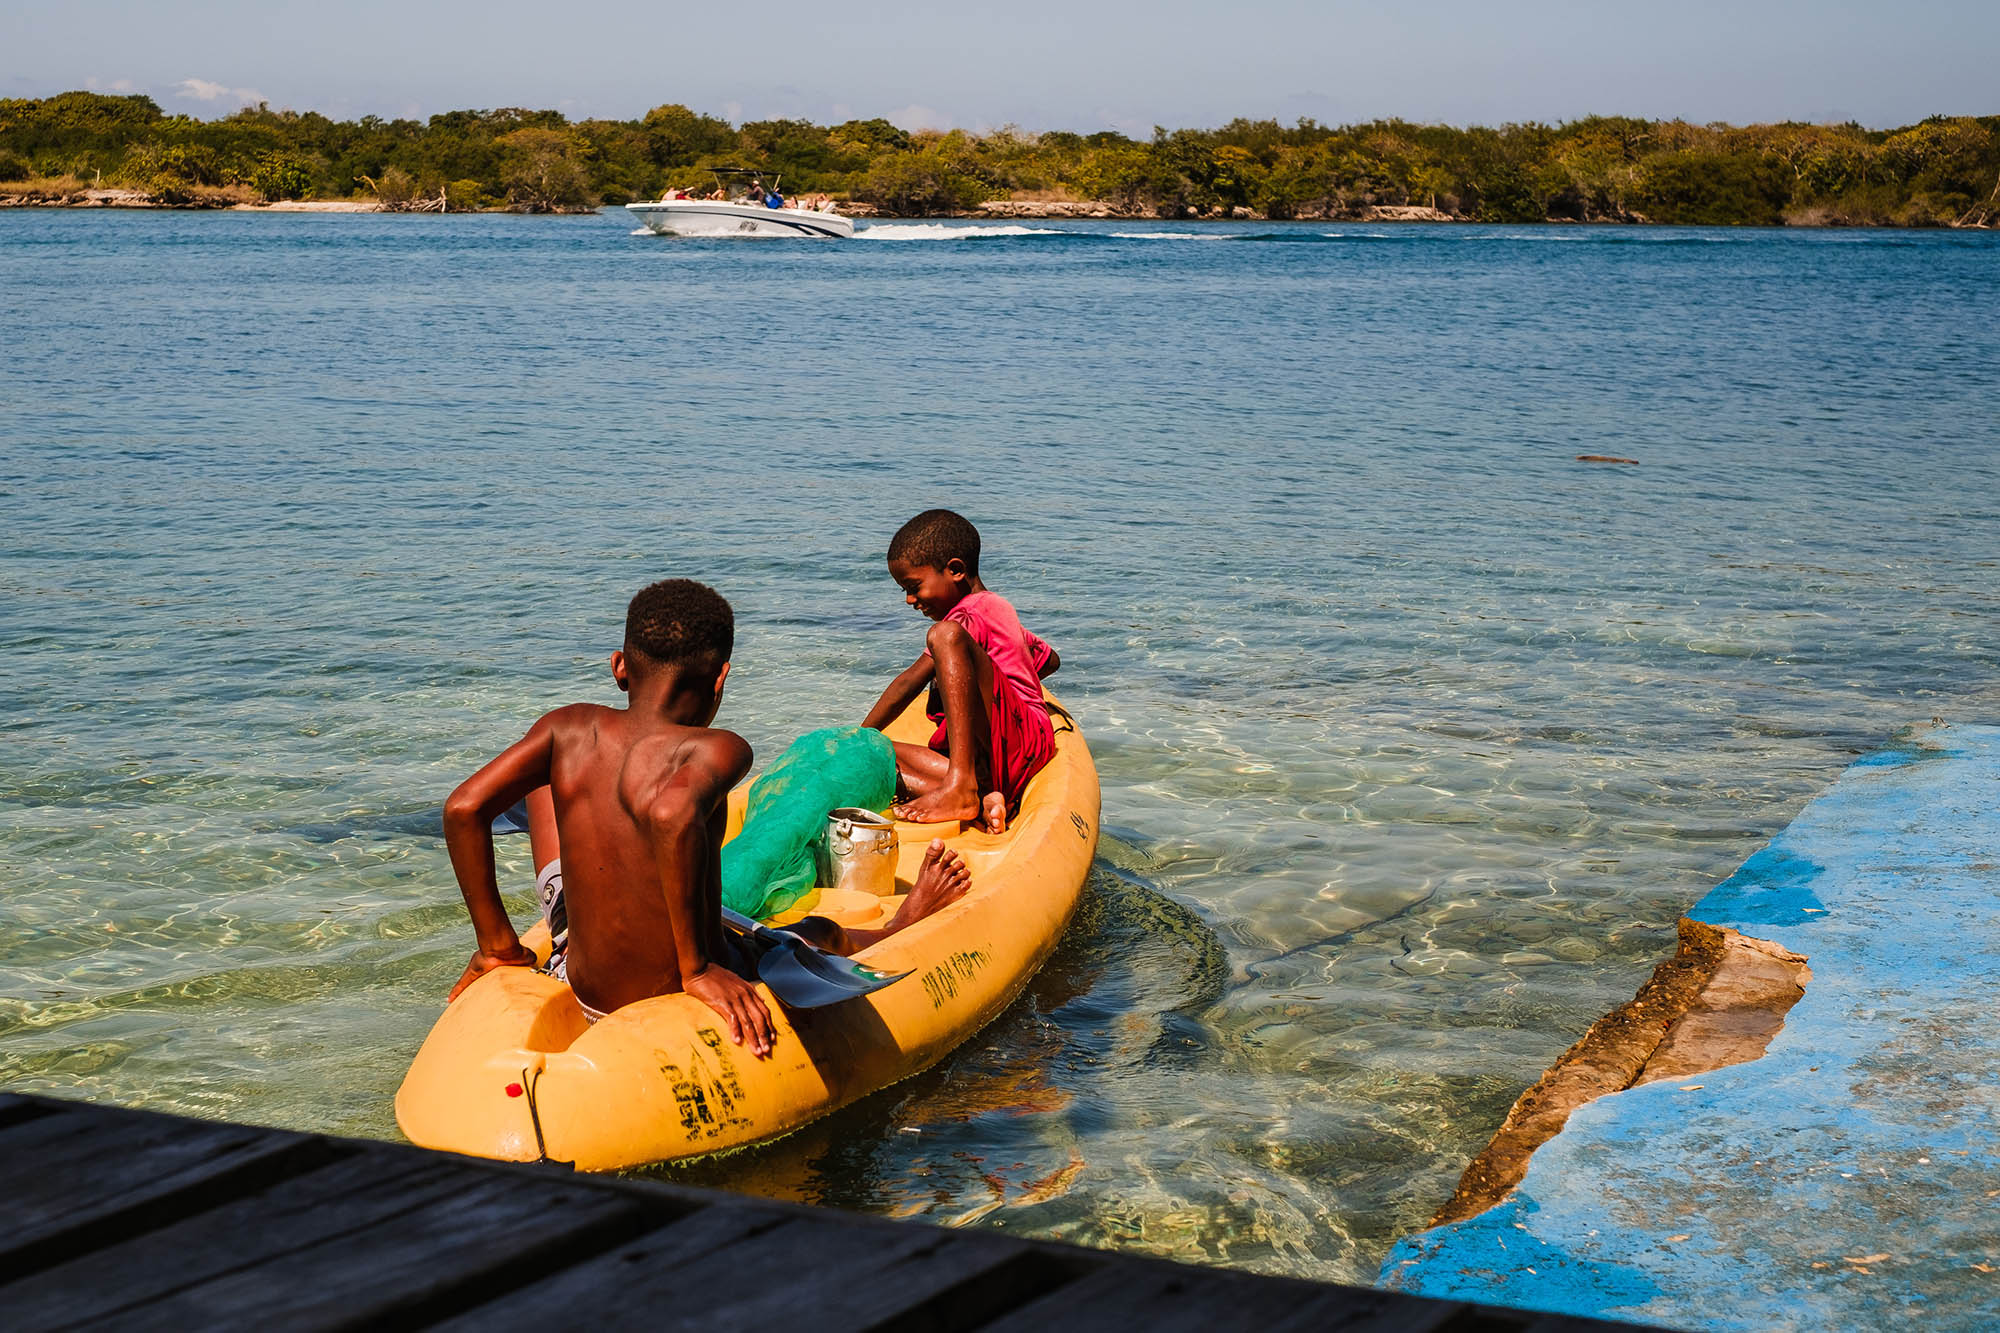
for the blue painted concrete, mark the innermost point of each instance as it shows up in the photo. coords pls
(1850, 1179)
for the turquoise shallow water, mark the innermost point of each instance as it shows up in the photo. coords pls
(1415, 733)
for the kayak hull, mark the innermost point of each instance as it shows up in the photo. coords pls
(513, 1071)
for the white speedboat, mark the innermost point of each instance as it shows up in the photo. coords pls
(716, 217)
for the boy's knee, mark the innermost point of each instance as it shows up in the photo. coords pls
(947, 637)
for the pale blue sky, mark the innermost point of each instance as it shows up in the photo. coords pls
(1081, 65)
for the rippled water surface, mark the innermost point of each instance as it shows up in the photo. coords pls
(1416, 734)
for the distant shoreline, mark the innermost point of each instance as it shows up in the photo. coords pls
(85, 149)
(1000, 210)
(1003, 209)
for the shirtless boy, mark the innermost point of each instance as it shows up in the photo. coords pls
(984, 672)
(639, 798)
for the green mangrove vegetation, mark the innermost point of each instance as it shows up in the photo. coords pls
(1944, 171)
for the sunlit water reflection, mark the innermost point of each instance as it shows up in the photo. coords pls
(1415, 733)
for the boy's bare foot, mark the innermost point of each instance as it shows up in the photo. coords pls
(941, 881)
(941, 806)
(993, 806)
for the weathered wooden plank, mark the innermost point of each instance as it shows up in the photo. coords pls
(15, 1108)
(755, 1265)
(890, 1275)
(628, 1275)
(348, 1194)
(958, 1288)
(379, 1234)
(79, 1178)
(1393, 1312)
(685, 1284)
(1160, 1299)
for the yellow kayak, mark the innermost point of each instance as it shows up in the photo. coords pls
(512, 1070)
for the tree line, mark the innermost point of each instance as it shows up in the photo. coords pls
(1943, 171)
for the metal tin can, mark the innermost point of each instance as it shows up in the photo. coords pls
(858, 851)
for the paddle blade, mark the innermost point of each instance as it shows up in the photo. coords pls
(799, 986)
(844, 971)
(793, 968)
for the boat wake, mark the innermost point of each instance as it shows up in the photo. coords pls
(946, 231)
(940, 231)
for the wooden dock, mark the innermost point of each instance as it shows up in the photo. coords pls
(133, 1219)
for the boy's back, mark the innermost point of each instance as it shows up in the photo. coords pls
(609, 770)
(641, 799)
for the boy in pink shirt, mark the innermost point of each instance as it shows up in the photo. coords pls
(984, 673)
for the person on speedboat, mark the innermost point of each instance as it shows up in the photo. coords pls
(757, 194)
(638, 799)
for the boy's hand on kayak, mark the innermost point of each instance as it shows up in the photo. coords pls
(739, 1004)
(485, 961)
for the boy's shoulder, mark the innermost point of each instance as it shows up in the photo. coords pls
(718, 745)
(570, 717)
(986, 608)
(985, 602)
(675, 744)
(663, 742)
(706, 757)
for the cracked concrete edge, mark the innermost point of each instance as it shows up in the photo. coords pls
(1717, 1001)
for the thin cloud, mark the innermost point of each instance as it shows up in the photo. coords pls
(207, 90)
(915, 118)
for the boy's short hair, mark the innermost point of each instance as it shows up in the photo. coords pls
(935, 536)
(678, 622)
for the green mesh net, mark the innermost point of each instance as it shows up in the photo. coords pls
(769, 865)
